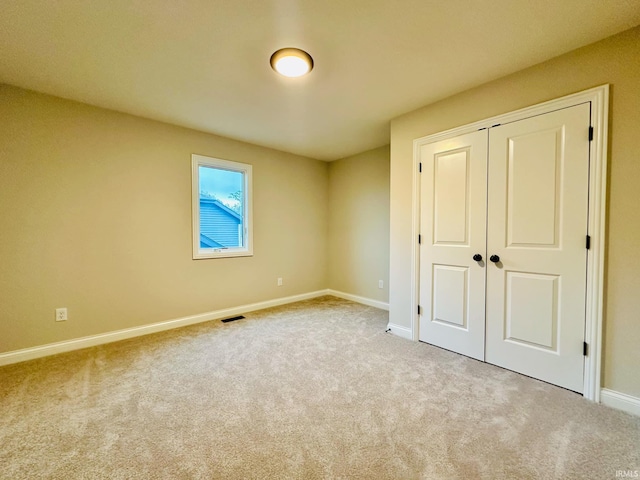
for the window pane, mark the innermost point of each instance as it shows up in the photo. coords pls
(222, 200)
(221, 206)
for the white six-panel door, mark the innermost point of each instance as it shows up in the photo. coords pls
(519, 192)
(453, 230)
(537, 225)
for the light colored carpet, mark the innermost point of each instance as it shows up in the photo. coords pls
(310, 390)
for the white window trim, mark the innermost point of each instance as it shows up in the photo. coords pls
(246, 169)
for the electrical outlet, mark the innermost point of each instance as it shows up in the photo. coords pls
(380, 283)
(61, 314)
(279, 281)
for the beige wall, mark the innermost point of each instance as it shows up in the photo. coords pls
(359, 224)
(95, 216)
(615, 61)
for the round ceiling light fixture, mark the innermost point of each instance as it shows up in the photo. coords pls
(291, 62)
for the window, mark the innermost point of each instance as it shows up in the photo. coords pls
(221, 206)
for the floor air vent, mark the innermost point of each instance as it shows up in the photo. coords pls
(239, 317)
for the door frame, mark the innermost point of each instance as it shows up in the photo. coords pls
(599, 98)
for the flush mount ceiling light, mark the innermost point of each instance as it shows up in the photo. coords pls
(291, 62)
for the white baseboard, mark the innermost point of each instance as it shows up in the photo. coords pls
(93, 340)
(400, 331)
(620, 401)
(358, 299)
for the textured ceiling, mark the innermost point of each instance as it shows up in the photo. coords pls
(204, 64)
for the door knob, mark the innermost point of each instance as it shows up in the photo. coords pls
(494, 258)
(477, 257)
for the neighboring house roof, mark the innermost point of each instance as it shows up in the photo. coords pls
(219, 225)
(206, 242)
(221, 206)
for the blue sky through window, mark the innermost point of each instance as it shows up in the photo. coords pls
(219, 184)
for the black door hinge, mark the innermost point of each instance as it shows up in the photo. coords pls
(588, 242)
(419, 309)
(590, 134)
(585, 348)
(420, 167)
(419, 238)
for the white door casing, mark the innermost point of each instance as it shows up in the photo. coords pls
(598, 99)
(453, 221)
(537, 225)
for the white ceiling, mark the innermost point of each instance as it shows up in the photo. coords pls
(204, 64)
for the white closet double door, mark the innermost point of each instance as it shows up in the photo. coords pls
(503, 257)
